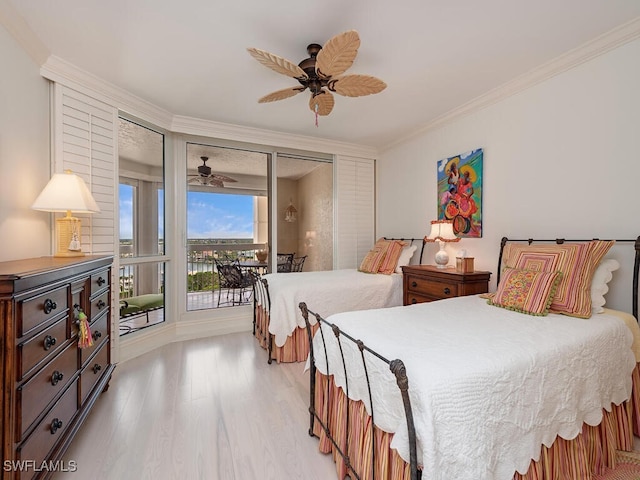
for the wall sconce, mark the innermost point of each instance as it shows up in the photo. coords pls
(290, 214)
(442, 232)
(66, 192)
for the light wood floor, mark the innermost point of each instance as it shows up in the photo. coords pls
(202, 409)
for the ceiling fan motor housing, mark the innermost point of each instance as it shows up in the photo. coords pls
(314, 82)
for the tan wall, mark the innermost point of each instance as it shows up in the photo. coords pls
(315, 218)
(287, 231)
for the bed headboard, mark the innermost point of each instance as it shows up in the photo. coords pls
(411, 240)
(636, 263)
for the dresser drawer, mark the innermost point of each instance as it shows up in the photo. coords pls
(35, 394)
(99, 280)
(100, 333)
(98, 305)
(93, 371)
(37, 310)
(49, 430)
(431, 288)
(43, 345)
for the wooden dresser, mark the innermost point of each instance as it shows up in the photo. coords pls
(49, 384)
(425, 283)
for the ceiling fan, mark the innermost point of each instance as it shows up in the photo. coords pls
(205, 177)
(321, 73)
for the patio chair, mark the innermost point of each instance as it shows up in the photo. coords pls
(285, 261)
(233, 281)
(298, 263)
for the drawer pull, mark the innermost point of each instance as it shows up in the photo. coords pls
(56, 377)
(49, 306)
(447, 290)
(413, 300)
(101, 281)
(96, 335)
(55, 425)
(49, 342)
(101, 305)
(96, 368)
(414, 284)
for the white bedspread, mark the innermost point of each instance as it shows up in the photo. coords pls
(488, 386)
(334, 290)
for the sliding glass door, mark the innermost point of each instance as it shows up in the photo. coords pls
(227, 224)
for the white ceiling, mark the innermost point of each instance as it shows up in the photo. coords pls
(189, 57)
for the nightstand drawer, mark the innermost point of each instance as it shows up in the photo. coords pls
(413, 298)
(431, 288)
(426, 283)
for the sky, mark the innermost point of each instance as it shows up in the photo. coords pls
(209, 215)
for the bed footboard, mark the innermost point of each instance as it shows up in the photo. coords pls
(397, 368)
(261, 312)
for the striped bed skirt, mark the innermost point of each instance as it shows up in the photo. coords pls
(589, 453)
(295, 349)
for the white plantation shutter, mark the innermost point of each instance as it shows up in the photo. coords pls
(85, 141)
(355, 211)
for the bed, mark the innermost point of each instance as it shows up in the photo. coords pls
(453, 408)
(277, 323)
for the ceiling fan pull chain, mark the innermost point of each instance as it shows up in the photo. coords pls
(316, 110)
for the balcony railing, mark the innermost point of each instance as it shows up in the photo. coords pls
(201, 274)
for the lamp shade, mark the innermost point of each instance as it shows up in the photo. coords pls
(66, 192)
(442, 230)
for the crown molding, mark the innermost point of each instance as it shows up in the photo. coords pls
(600, 45)
(208, 128)
(22, 33)
(65, 73)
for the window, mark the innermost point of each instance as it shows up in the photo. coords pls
(141, 210)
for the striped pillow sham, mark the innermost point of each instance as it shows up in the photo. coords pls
(576, 261)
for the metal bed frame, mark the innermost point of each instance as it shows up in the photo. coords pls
(398, 369)
(261, 297)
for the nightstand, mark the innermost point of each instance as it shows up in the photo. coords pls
(425, 283)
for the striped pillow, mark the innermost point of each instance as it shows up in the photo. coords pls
(526, 291)
(576, 261)
(390, 261)
(372, 261)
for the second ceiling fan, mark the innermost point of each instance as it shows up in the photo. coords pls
(322, 73)
(206, 177)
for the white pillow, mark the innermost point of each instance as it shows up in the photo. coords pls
(405, 256)
(599, 286)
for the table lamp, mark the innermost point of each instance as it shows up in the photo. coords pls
(441, 231)
(66, 192)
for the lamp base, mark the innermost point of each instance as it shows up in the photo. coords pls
(68, 237)
(442, 257)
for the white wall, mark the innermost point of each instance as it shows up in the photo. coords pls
(561, 159)
(24, 153)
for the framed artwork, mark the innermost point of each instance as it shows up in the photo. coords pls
(460, 192)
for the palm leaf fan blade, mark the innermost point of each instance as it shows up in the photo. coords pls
(276, 63)
(281, 94)
(324, 101)
(338, 54)
(357, 85)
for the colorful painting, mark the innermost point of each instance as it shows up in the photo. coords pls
(460, 192)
